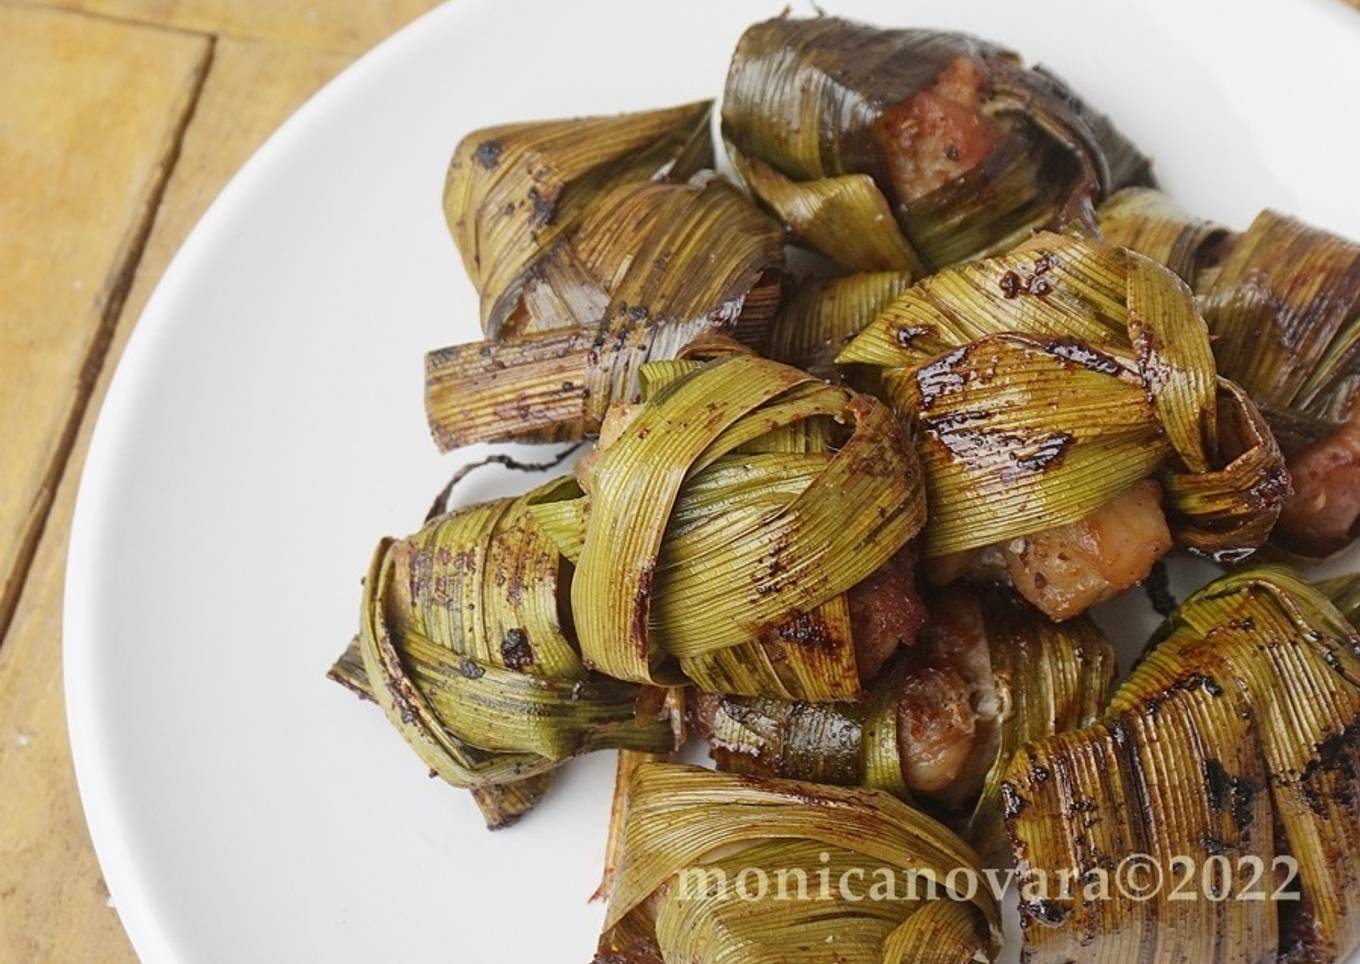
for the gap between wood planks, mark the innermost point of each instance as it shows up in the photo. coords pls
(121, 276)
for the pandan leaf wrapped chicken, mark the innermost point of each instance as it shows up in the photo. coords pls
(1072, 423)
(1282, 300)
(1229, 752)
(941, 723)
(821, 314)
(699, 843)
(466, 643)
(747, 528)
(911, 150)
(595, 245)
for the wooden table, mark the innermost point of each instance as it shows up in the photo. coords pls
(119, 122)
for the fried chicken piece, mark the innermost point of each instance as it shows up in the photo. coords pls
(1068, 569)
(1320, 517)
(939, 132)
(949, 709)
(886, 613)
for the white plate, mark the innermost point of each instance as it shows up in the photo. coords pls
(265, 427)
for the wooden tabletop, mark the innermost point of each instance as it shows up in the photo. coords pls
(121, 120)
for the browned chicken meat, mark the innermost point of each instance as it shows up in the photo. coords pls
(1068, 569)
(1320, 518)
(947, 713)
(886, 612)
(939, 132)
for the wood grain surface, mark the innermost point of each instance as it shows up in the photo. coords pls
(122, 121)
(92, 120)
(350, 26)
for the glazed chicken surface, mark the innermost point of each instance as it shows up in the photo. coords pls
(886, 613)
(947, 712)
(1320, 517)
(940, 132)
(1066, 570)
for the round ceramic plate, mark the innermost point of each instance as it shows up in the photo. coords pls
(265, 427)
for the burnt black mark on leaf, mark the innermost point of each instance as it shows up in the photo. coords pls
(1012, 803)
(515, 649)
(1186, 684)
(1331, 774)
(773, 575)
(954, 421)
(642, 605)
(1018, 454)
(906, 334)
(543, 208)
(940, 377)
(403, 696)
(1013, 284)
(1080, 805)
(886, 517)
(1083, 811)
(1047, 450)
(1213, 846)
(1047, 912)
(1225, 790)
(1204, 682)
(1216, 782)
(488, 154)
(1152, 367)
(1080, 353)
(1273, 487)
(807, 630)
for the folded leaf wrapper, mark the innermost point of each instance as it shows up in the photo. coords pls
(595, 244)
(1282, 300)
(464, 645)
(1235, 738)
(1047, 381)
(1344, 592)
(1147, 221)
(1031, 678)
(514, 190)
(698, 842)
(722, 525)
(1142, 782)
(911, 150)
(822, 314)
